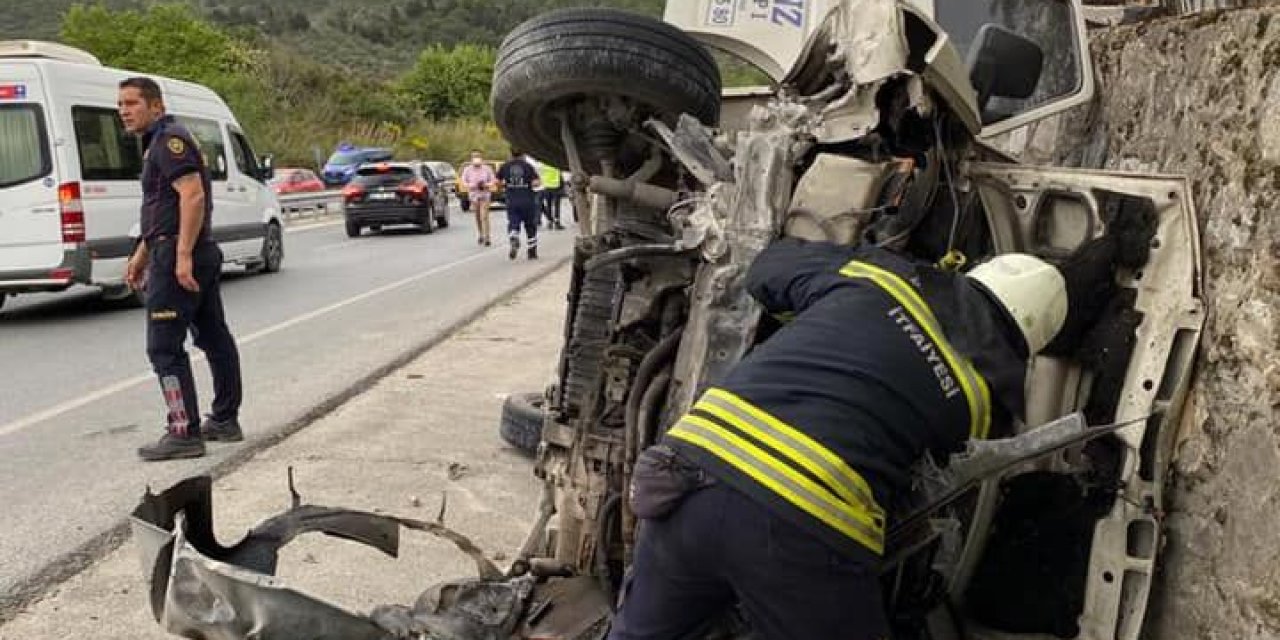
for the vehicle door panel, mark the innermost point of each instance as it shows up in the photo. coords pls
(30, 225)
(110, 160)
(250, 227)
(1051, 211)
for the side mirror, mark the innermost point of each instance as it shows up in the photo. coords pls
(267, 166)
(1003, 64)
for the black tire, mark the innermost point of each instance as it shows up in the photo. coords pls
(353, 229)
(562, 57)
(427, 223)
(522, 415)
(272, 249)
(592, 321)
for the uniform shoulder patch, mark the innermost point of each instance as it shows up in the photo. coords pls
(176, 146)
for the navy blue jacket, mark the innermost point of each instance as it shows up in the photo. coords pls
(171, 153)
(859, 375)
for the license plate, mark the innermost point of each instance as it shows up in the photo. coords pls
(382, 196)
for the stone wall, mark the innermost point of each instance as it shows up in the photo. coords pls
(1200, 96)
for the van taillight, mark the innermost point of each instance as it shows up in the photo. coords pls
(71, 207)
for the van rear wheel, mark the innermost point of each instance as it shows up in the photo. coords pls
(353, 229)
(272, 248)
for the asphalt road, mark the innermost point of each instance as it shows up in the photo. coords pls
(77, 397)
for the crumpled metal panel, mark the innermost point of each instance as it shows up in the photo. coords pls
(217, 601)
(203, 590)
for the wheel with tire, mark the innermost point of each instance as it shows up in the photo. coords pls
(426, 224)
(272, 248)
(562, 58)
(353, 229)
(522, 415)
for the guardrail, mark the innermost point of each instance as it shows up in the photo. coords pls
(301, 205)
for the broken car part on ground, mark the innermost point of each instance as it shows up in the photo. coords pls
(874, 133)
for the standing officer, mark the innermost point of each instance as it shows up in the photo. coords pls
(180, 267)
(774, 490)
(519, 179)
(551, 195)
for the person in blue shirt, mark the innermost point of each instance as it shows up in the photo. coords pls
(519, 179)
(179, 266)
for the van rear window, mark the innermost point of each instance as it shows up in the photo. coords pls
(24, 144)
(377, 177)
(107, 151)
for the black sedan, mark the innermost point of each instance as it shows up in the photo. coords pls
(390, 193)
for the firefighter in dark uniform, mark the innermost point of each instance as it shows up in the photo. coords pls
(786, 469)
(179, 266)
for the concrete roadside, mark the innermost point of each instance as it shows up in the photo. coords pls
(425, 434)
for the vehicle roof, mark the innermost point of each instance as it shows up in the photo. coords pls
(390, 163)
(365, 166)
(63, 79)
(362, 150)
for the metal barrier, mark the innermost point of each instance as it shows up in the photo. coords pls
(301, 205)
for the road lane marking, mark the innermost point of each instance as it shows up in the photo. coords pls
(313, 226)
(105, 392)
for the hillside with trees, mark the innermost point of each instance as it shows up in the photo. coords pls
(377, 36)
(303, 75)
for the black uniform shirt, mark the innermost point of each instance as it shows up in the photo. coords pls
(517, 176)
(171, 153)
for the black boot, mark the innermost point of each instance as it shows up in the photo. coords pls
(171, 447)
(515, 249)
(533, 253)
(221, 430)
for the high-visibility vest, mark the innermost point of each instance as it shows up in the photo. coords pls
(549, 176)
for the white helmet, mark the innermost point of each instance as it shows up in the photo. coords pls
(1032, 290)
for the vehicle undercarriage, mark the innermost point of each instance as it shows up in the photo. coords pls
(875, 134)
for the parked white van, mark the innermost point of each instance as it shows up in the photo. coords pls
(69, 173)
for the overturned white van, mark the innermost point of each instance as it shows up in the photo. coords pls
(69, 173)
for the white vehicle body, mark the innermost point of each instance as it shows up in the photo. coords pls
(70, 194)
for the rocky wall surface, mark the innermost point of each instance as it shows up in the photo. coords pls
(1200, 96)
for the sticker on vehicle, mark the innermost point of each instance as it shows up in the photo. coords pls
(720, 13)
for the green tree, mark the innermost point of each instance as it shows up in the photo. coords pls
(450, 82)
(166, 39)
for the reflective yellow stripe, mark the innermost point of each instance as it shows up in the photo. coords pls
(976, 393)
(866, 529)
(800, 448)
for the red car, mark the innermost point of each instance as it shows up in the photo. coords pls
(289, 180)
